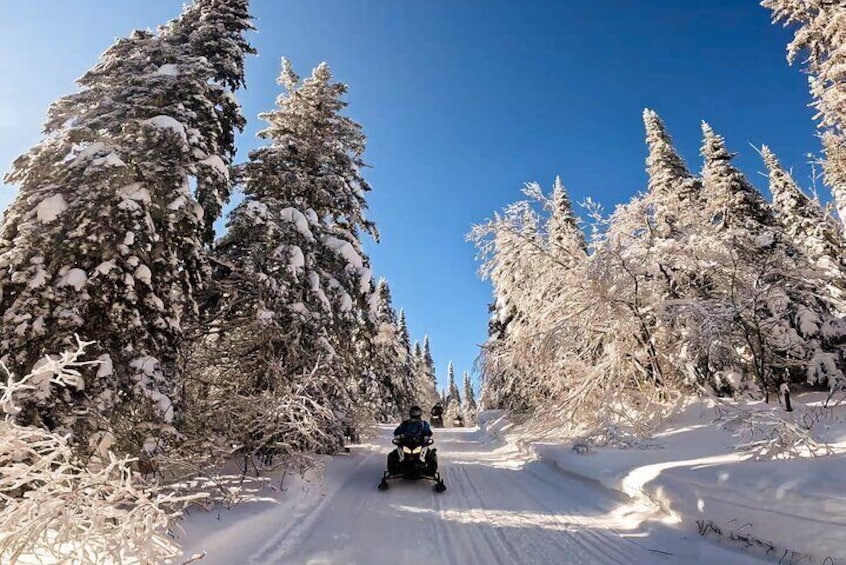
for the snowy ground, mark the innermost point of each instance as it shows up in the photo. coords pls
(502, 506)
(790, 511)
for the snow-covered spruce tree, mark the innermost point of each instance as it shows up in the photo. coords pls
(214, 31)
(805, 221)
(391, 359)
(299, 303)
(452, 408)
(821, 38)
(778, 325)
(563, 229)
(427, 380)
(408, 394)
(470, 409)
(105, 237)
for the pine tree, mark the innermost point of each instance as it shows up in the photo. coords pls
(305, 325)
(821, 37)
(214, 31)
(104, 239)
(804, 220)
(470, 408)
(452, 408)
(563, 226)
(778, 319)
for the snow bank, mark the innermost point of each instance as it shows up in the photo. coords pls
(693, 472)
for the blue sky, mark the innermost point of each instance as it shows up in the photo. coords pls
(464, 101)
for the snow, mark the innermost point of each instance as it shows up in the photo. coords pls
(345, 250)
(216, 163)
(77, 278)
(38, 279)
(50, 208)
(106, 266)
(135, 191)
(299, 220)
(106, 367)
(110, 160)
(143, 274)
(168, 123)
(691, 471)
(502, 506)
(296, 259)
(168, 70)
(300, 308)
(264, 315)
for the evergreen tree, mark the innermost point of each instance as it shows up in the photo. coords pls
(214, 31)
(673, 188)
(104, 239)
(804, 220)
(452, 408)
(821, 38)
(739, 204)
(304, 326)
(393, 356)
(470, 408)
(780, 326)
(563, 226)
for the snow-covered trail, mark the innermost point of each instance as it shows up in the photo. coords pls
(500, 507)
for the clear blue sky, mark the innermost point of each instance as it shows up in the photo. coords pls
(463, 101)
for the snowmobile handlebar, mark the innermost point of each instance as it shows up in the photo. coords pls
(398, 440)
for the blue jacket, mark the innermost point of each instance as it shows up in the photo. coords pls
(414, 428)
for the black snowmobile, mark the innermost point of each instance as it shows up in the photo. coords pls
(413, 459)
(437, 418)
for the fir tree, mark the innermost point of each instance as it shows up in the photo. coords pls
(105, 237)
(308, 308)
(470, 408)
(804, 220)
(821, 37)
(452, 408)
(563, 227)
(214, 31)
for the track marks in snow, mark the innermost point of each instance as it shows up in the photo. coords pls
(501, 507)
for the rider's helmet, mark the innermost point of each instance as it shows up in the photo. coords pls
(415, 413)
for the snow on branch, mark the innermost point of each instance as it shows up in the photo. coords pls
(54, 506)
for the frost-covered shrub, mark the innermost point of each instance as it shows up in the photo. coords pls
(57, 507)
(692, 287)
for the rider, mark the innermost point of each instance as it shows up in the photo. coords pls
(437, 410)
(415, 425)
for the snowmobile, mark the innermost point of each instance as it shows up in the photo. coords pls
(413, 459)
(458, 422)
(436, 420)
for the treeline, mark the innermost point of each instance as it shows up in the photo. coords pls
(698, 284)
(274, 339)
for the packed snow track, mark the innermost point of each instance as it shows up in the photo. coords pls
(500, 507)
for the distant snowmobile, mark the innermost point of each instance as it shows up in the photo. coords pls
(458, 422)
(413, 459)
(437, 419)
